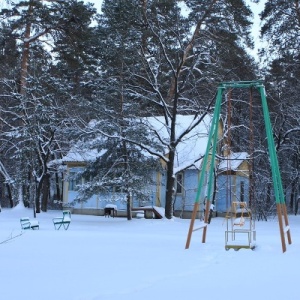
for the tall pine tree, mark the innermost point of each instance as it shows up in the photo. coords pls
(158, 61)
(46, 36)
(281, 30)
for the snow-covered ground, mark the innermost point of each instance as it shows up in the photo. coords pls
(101, 258)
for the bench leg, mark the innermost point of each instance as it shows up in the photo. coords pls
(66, 225)
(60, 224)
(57, 226)
(109, 212)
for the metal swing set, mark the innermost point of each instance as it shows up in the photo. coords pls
(239, 212)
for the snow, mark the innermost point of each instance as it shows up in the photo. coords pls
(101, 258)
(111, 206)
(80, 154)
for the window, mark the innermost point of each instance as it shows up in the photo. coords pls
(179, 183)
(74, 181)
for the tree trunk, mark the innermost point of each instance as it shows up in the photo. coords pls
(25, 54)
(58, 192)
(38, 193)
(129, 215)
(27, 194)
(11, 201)
(45, 192)
(37, 198)
(293, 193)
(170, 186)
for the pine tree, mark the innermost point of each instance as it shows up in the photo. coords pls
(158, 61)
(51, 34)
(281, 27)
(123, 165)
(184, 59)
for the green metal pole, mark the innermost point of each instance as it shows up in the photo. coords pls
(213, 136)
(277, 183)
(212, 144)
(278, 189)
(212, 161)
(212, 133)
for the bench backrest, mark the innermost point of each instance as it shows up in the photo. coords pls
(24, 220)
(25, 223)
(66, 215)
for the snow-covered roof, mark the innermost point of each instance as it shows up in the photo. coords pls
(189, 151)
(79, 154)
(233, 161)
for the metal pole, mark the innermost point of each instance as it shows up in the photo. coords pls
(277, 182)
(213, 132)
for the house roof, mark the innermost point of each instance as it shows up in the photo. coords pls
(189, 151)
(192, 147)
(81, 154)
(233, 161)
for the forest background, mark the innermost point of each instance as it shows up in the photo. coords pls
(70, 75)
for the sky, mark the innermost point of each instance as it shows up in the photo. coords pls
(256, 9)
(100, 258)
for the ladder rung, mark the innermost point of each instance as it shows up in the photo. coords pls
(201, 227)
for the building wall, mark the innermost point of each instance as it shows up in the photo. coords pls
(185, 200)
(229, 188)
(98, 202)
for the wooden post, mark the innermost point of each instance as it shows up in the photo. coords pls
(279, 213)
(188, 241)
(207, 209)
(286, 221)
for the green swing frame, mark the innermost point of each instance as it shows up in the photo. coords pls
(209, 159)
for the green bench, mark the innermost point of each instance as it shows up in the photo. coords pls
(26, 223)
(64, 221)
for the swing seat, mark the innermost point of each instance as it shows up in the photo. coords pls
(239, 222)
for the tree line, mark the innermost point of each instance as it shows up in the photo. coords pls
(70, 74)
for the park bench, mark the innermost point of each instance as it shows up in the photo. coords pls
(26, 223)
(64, 221)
